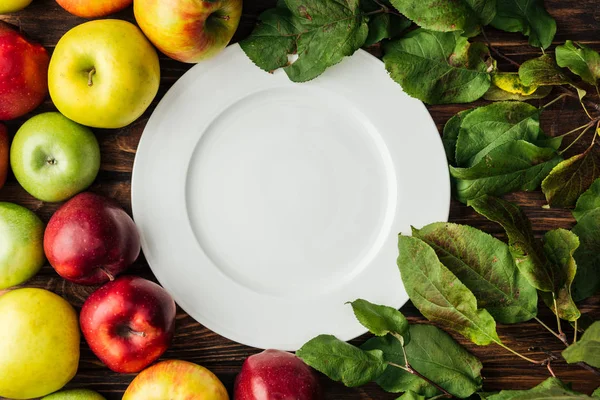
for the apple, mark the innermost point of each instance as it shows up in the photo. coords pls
(21, 244)
(276, 375)
(94, 8)
(188, 31)
(4, 146)
(54, 158)
(75, 394)
(39, 343)
(8, 6)
(24, 77)
(175, 379)
(128, 323)
(103, 74)
(90, 239)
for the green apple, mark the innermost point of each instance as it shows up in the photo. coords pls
(21, 244)
(8, 6)
(39, 343)
(103, 73)
(54, 158)
(75, 394)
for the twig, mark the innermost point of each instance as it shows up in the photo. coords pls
(497, 52)
(551, 330)
(410, 370)
(561, 152)
(550, 369)
(589, 368)
(554, 101)
(560, 331)
(575, 334)
(520, 355)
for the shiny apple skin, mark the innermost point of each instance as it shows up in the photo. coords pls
(128, 323)
(90, 239)
(4, 151)
(23, 73)
(276, 375)
(188, 31)
(176, 380)
(94, 8)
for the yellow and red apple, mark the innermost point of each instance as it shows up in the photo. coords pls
(175, 379)
(188, 31)
(4, 150)
(94, 8)
(24, 73)
(103, 74)
(8, 6)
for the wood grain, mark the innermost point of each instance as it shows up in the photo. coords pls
(579, 20)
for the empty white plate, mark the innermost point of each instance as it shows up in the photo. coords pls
(264, 206)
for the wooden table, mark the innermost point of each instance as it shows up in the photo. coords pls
(578, 20)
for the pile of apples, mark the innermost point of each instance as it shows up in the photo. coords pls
(102, 74)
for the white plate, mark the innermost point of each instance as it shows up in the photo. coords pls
(264, 206)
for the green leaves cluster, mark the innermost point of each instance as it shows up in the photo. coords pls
(497, 149)
(550, 388)
(420, 360)
(435, 63)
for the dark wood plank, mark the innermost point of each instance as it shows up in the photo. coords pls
(46, 22)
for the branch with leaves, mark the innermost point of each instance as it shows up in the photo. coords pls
(459, 277)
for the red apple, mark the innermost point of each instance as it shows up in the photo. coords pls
(276, 375)
(4, 150)
(23, 73)
(93, 8)
(128, 323)
(90, 240)
(188, 31)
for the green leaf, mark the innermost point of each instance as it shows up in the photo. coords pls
(485, 265)
(526, 16)
(273, 39)
(341, 361)
(494, 93)
(451, 131)
(550, 388)
(596, 392)
(444, 16)
(569, 179)
(322, 32)
(383, 25)
(410, 395)
(396, 380)
(526, 251)
(588, 201)
(440, 295)
(488, 127)
(515, 165)
(587, 280)
(434, 354)
(438, 68)
(587, 349)
(380, 320)
(580, 59)
(559, 247)
(542, 71)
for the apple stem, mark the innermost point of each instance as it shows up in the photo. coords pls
(141, 334)
(111, 277)
(225, 17)
(91, 83)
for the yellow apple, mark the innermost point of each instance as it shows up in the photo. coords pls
(175, 379)
(188, 31)
(103, 74)
(8, 6)
(39, 343)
